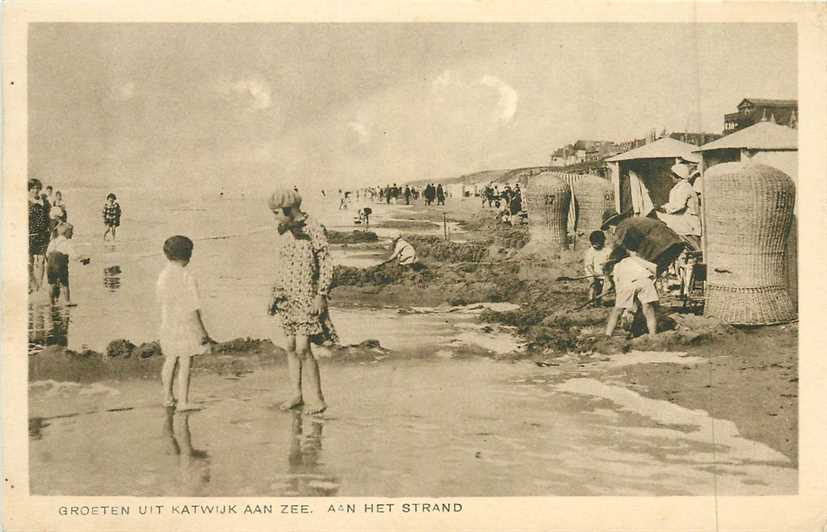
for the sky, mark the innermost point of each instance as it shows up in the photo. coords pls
(241, 106)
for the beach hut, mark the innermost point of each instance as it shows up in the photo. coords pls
(765, 143)
(642, 178)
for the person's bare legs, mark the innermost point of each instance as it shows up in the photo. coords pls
(311, 380)
(54, 293)
(68, 295)
(41, 270)
(167, 373)
(294, 371)
(37, 269)
(31, 273)
(184, 364)
(612, 322)
(651, 319)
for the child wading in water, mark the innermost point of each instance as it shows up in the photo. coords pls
(304, 273)
(58, 253)
(111, 215)
(182, 330)
(634, 278)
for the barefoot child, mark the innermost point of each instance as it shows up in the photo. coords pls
(182, 330)
(58, 253)
(304, 273)
(634, 278)
(594, 261)
(111, 215)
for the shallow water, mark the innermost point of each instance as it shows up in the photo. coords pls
(432, 427)
(232, 261)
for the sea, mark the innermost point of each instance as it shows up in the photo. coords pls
(232, 260)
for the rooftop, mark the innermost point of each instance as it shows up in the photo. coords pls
(760, 136)
(765, 102)
(664, 148)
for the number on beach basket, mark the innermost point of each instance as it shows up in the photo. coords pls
(547, 199)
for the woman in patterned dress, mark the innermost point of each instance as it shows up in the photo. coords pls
(38, 234)
(304, 274)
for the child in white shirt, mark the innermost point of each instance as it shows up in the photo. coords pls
(403, 252)
(182, 329)
(58, 254)
(594, 262)
(634, 279)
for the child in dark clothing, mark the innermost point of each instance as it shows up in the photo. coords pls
(111, 215)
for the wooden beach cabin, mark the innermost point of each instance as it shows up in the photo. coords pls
(765, 142)
(642, 177)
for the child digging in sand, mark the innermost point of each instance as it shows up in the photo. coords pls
(182, 330)
(634, 280)
(304, 274)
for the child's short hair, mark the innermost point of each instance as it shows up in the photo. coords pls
(111, 196)
(178, 247)
(63, 227)
(632, 241)
(597, 238)
(35, 183)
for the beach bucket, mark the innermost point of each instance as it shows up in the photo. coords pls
(547, 200)
(748, 212)
(592, 196)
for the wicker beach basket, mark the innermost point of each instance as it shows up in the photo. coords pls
(748, 212)
(592, 196)
(547, 201)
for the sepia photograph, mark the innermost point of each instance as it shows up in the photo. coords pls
(416, 260)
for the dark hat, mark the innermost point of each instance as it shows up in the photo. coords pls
(611, 217)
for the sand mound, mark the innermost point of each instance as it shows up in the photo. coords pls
(354, 237)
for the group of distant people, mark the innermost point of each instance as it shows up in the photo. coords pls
(394, 194)
(434, 193)
(50, 238)
(508, 202)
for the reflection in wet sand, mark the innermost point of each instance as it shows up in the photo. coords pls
(193, 464)
(509, 430)
(112, 278)
(48, 325)
(304, 476)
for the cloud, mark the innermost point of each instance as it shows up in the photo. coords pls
(257, 92)
(475, 99)
(125, 92)
(507, 104)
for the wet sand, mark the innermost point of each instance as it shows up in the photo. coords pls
(520, 402)
(436, 427)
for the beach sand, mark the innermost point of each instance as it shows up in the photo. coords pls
(452, 398)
